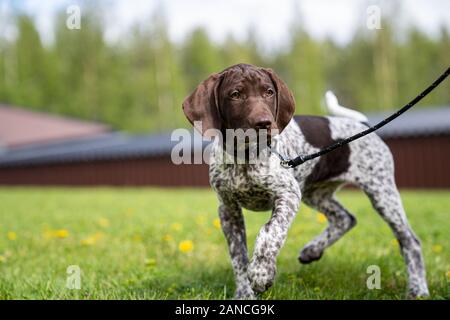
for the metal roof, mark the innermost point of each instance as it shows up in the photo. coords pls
(118, 145)
(106, 147)
(415, 122)
(20, 127)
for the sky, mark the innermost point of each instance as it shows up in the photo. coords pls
(268, 18)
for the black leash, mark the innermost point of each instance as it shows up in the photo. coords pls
(292, 163)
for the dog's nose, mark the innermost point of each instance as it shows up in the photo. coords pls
(264, 123)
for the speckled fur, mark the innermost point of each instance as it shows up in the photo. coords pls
(267, 186)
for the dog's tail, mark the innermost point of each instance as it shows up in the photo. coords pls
(337, 110)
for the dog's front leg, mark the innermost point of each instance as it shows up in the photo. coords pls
(271, 237)
(233, 227)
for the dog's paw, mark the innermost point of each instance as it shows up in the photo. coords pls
(261, 275)
(309, 254)
(244, 293)
(418, 292)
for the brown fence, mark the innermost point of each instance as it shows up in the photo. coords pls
(131, 172)
(420, 163)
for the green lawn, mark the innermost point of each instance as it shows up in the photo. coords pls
(127, 244)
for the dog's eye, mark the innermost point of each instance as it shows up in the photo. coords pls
(269, 92)
(235, 95)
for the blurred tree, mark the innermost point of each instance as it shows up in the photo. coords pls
(200, 58)
(5, 53)
(246, 51)
(443, 94)
(155, 80)
(418, 65)
(32, 73)
(4, 49)
(82, 65)
(138, 83)
(385, 65)
(169, 78)
(302, 68)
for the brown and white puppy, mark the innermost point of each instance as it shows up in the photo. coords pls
(248, 97)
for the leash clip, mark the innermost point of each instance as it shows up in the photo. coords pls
(283, 161)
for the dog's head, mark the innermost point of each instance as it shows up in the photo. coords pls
(241, 97)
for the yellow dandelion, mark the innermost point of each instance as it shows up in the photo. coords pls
(89, 241)
(321, 218)
(137, 238)
(437, 248)
(448, 274)
(176, 226)
(92, 239)
(200, 220)
(61, 233)
(11, 235)
(129, 212)
(48, 234)
(167, 237)
(186, 246)
(216, 223)
(394, 243)
(103, 222)
(98, 235)
(52, 234)
(151, 262)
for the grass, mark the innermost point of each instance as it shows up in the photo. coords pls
(127, 244)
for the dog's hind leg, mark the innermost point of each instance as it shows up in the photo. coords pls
(386, 200)
(339, 220)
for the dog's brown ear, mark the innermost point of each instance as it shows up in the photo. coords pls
(202, 104)
(285, 100)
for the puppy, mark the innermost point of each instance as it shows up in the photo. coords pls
(245, 97)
